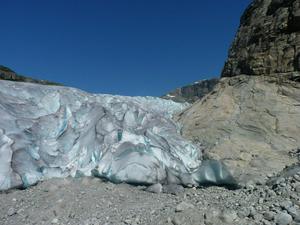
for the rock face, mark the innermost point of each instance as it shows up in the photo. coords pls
(251, 123)
(8, 74)
(268, 40)
(192, 93)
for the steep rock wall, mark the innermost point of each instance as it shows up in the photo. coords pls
(268, 40)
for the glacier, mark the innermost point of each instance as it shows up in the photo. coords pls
(55, 131)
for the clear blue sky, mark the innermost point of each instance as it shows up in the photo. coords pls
(127, 47)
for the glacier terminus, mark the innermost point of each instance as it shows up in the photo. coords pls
(54, 131)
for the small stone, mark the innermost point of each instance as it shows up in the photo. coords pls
(127, 221)
(269, 215)
(282, 184)
(169, 220)
(297, 177)
(173, 189)
(252, 211)
(244, 213)
(176, 221)
(280, 180)
(183, 206)
(283, 219)
(155, 188)
(228, 216)
(211, 215)
(54, 221)
(258, 217)
(11, 212)
(295, 213)
(286, 204)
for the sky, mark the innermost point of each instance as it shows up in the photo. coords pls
(123, 47)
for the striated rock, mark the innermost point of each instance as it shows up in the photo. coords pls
(249, 122)
(268, 40)
(192, 93)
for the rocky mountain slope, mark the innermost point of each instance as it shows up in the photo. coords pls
(8, 74)
(251, 119)
(193, 92)
(268, 40)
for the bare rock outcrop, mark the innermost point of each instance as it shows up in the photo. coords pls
(268, 40)
(251, 119)
(252, 123)
(193, 92)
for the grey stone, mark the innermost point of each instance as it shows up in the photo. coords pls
(211, 215)
(295, 213)
(297, 188)
(183, 206)
(269, 215)
(228, 216)
(155, 188)
(177, 220)
(283, 218)
(54, 221)
(243, 213)
(11, 212)
(172, 189)
(286, 204)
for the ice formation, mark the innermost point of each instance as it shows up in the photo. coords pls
(50, 131)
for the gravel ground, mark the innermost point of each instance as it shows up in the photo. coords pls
(87, 201)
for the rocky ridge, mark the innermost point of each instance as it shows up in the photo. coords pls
(193, 92)
(268, 40)
(8, 74)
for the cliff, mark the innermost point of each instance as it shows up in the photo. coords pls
(268, 40)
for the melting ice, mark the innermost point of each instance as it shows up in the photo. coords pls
(49, 131)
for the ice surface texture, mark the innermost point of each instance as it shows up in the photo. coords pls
(48, 131)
